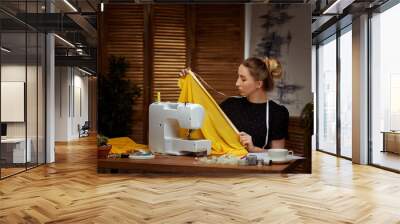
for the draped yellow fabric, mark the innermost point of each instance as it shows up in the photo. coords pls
(125, 145)
(216, 126)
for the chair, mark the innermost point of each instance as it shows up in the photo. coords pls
(84, 130)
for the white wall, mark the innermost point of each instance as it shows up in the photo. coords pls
(16, 73)
(9, 73)
(82, 82)
(71, 102)
(33, 127)
(13, 72)
(62, 81)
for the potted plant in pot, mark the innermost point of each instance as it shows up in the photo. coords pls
(116, 97)
(102, 147)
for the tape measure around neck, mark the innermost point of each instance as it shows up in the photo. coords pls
(267, 123)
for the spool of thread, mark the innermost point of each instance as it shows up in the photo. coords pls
(251, 160)
(158, 97)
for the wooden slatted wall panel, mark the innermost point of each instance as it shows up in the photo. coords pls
(218, 45)
(300, 143)
(123, 28)
(169, 49)
(92, 87)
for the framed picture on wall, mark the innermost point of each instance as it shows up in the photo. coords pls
(12, 101)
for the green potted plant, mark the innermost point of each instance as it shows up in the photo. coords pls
(102, 147)
(116, 97)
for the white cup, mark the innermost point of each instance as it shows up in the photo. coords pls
(279, 154)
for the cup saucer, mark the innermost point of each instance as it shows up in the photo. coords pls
(282, 160)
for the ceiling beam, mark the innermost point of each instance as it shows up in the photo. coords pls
(82, 61)
(84, 24)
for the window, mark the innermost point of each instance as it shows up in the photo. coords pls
(326, 105)
(385, 88)
(346, 93)
(22, 77)
(333, 106)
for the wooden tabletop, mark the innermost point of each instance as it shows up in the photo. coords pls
(188, 165)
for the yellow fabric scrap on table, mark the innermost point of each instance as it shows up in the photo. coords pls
(216, 126)
(125, 145)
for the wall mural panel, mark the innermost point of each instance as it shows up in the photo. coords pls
(284, 32)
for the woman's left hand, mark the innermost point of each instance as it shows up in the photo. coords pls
(246, 141)
(184, 72)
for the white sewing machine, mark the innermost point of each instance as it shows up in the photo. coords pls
(165, 120)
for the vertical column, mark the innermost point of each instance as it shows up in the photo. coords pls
(50, 93)
(360, 90)
(50, 99)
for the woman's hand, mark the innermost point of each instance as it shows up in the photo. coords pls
(246, 141)
(184, 72)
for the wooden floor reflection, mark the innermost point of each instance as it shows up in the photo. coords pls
(387, 159)
(71, 191)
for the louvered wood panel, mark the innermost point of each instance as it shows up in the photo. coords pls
(300, 143)
(124, 36)
(218, 45)
(215, 34)
(169, 49)
(92, 92)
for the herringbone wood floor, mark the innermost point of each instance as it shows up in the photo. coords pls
(70, 191)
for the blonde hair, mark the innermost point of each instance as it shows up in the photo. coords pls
(264, 70)
(274, 67)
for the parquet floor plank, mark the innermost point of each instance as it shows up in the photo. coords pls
(71, 191)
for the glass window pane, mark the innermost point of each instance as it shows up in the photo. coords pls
(385, 89)
(13, 87)
(31, 84)
(41, 97)
(327, 97)
(346, 94)
(23, 86)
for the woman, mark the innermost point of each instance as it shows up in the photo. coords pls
(254, 110)
(249, 112)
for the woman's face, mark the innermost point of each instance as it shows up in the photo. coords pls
(245, 83)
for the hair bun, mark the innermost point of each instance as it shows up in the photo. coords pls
(274, 67)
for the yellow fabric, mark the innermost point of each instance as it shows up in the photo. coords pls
(125, 145)
(216, 126)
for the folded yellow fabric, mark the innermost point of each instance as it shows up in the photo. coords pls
(125, 145)
(216, 126)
